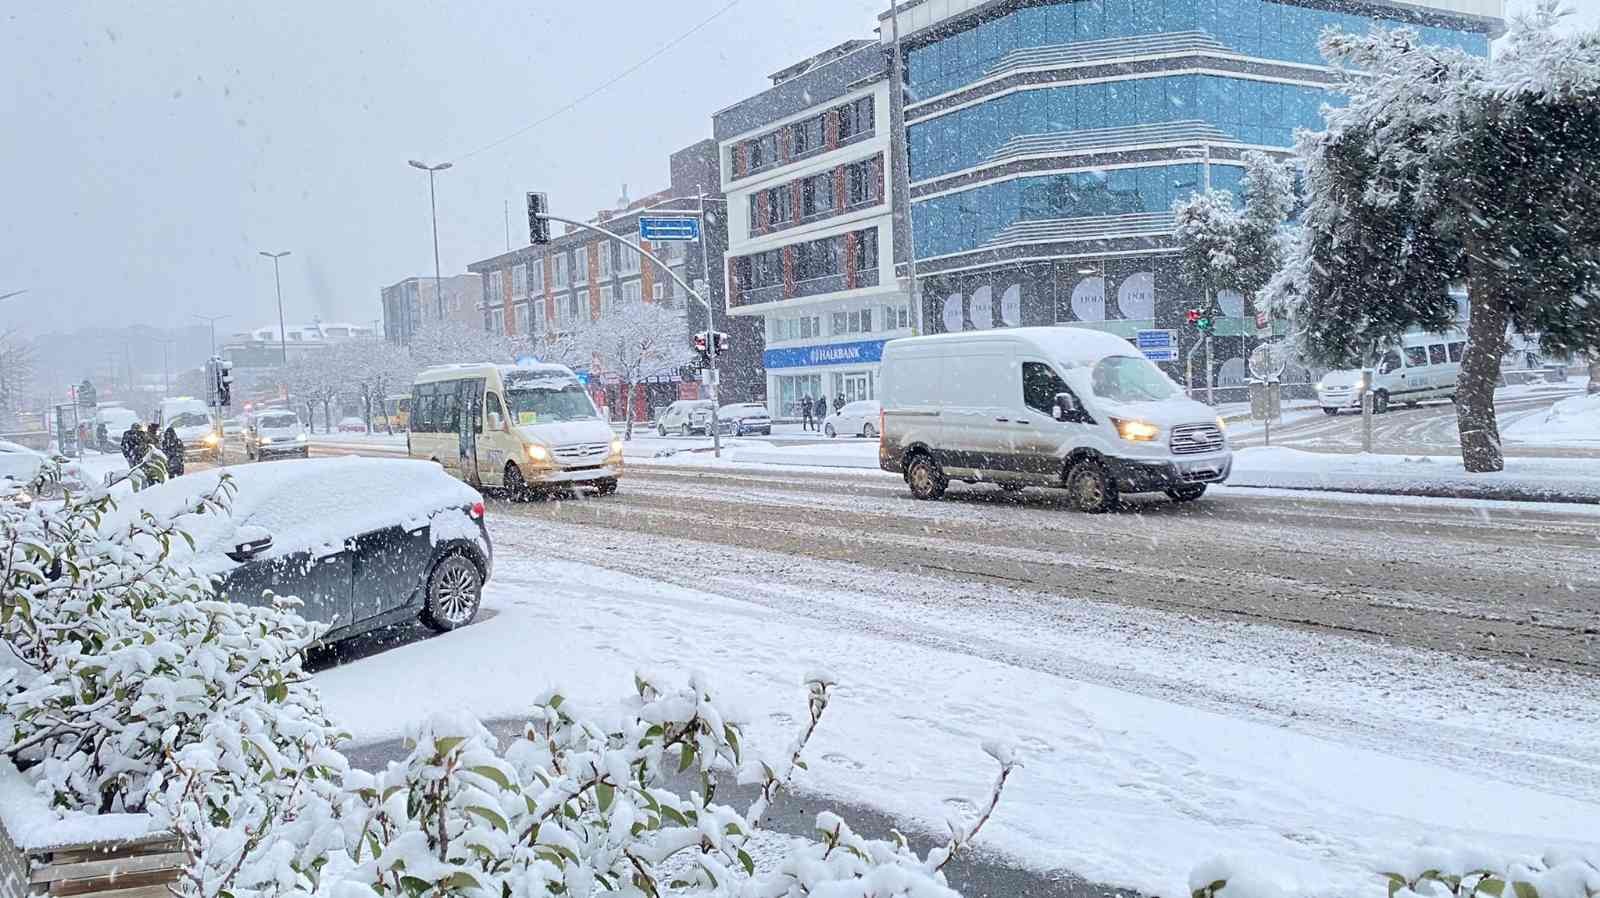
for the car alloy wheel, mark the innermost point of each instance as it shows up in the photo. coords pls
(454, 593)
(661, 429)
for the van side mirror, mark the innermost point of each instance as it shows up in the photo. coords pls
(1068, 409)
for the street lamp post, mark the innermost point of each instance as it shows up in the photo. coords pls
(899, 150)
(283, 335)
(212, 320)
(433, 209)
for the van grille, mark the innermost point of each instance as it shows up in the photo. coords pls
(579, 452)
(1193, 439)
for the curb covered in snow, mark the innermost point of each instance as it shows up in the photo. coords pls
(1563, 480)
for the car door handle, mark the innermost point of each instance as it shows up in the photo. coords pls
(1022, 421)
(1002, 420)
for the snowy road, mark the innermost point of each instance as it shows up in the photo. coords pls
(1502, 581)
(1428, 429)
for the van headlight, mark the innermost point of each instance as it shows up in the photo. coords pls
(210, 439)
(538, 453)
(616, 448)
(1134, 430)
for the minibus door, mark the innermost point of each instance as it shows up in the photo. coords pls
(471, 399)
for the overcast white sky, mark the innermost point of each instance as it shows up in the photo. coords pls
(152, 149)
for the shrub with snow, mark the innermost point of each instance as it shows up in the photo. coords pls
(572, 808)
(118, 658)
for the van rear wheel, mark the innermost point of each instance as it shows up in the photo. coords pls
(926, 479)
(1091, 488)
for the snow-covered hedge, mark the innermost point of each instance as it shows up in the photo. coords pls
(571, 808)
(114, 658)
(1429, 872)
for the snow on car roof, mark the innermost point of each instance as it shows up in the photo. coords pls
(304, 504)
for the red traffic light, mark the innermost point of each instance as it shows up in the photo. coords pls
(700, 343)
(1194, 316)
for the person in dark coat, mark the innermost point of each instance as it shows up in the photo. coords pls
(132, 443)
(805, 410)
(172, 448)
(822, 410)
(838, 403)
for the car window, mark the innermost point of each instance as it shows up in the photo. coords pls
(1390, 362)
(1457, 349)
(1416, 356)
(1123, 378)
(1040, 384)
(1436, 354)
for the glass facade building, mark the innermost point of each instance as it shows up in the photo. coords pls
(1047, 141)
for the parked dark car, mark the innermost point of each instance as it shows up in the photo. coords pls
(363, 543)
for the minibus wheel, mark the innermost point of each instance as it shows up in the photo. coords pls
(1091, 488)
(1380, 402)
(516, 486)
(926, 478)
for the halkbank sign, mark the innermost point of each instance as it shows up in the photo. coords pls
(864, 352)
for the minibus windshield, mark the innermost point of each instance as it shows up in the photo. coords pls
(537, 404)
(1121, 378)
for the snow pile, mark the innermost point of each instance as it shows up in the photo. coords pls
(1570, 421)
(843, 453)
(33, 824)
(1534, 479)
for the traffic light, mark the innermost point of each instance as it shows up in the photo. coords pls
(1200, 320)
(224, 385)
(538, 225)
(1193, 316)
(701, 344)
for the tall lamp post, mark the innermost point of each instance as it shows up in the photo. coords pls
(283, 335)
(433, 209)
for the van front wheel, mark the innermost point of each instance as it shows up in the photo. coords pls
(1091, 487)
(926, 478)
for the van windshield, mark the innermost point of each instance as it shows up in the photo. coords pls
(1121, 378)
(189, 419)
(536, 405)
(278, 422)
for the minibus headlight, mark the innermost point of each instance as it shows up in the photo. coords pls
(616, 448)
(538, 453)
(1134, 430)
(1221, 424)
(210, 439)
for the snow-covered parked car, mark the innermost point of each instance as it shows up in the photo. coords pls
(20, 465)
(741, 418)
(855, 419)
(363, 543)
(352, 424)
(684, 417)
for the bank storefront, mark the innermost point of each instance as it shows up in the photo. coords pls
(833, 370)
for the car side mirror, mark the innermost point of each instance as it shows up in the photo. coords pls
(250, 548)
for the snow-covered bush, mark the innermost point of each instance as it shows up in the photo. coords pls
(572, 807)
(118, 658)
(1430, 872)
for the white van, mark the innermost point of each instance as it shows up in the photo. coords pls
(515, 427)
(191, 420)
(1423, 366)
(1044, 406)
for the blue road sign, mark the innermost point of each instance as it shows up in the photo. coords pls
(1157, 345)
(657, 229)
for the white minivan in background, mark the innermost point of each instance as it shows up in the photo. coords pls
(1044, 406)
(1422, 367)
(516, 427)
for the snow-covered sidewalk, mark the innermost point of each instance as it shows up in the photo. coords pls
(1524, 479)
(1570, 422)
(1120, 786)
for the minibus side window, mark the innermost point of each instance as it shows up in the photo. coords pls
(1390, 363)
(1436, 354)
(1457, 349)
(422, 409)
(491, 406)
(1416, 356)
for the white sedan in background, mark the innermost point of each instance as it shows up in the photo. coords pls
(856, 419)
(741, 418)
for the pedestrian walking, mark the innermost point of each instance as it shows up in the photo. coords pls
(132, 443)
(805, 411)
(822, 410)
(172, 448)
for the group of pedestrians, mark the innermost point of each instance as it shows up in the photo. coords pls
(138, 441)
(814, 411)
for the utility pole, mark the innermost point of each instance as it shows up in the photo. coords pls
(902, 172)
(433, 208)
(283, 336)
(506, 204)
(711, 336)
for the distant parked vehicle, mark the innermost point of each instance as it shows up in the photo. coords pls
(352, 424)
(685, 417)
(315, 530)
(741, 418)
(856, 419)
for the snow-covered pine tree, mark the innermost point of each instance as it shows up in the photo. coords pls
(1446, 169)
